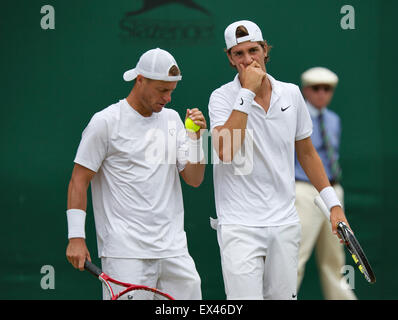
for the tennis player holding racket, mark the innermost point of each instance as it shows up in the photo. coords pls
(133, 153)
(258, 227)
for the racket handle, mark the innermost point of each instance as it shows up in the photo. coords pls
(92, 268)
(322, 206)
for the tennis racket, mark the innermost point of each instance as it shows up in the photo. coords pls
(131, 291)
(351, 243)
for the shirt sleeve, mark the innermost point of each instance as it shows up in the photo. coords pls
(304, 122)
(220, 109)
(93, 145)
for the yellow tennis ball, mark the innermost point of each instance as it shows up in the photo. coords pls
(191, 126)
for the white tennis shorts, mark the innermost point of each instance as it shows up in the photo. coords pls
(176, 276)
(259, 262)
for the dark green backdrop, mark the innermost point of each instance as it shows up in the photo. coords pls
(53, 81)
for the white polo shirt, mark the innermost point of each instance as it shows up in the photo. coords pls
(136, 191)
(258, 187)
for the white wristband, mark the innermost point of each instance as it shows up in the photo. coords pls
(330, 198)
(195, 150)
(244, 101)
(76, 222)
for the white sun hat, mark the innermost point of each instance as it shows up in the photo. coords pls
(253, 30)
(319, 75)
(154, 64)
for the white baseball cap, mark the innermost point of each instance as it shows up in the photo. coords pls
(154, 64)
(253, 30)
(319, 75)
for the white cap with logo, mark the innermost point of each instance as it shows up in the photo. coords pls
(253, 30)
(319, 75)
(154, 64)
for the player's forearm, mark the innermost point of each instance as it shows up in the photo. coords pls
(193, 174)
(228, 139)
(313, 167)
(77, 195)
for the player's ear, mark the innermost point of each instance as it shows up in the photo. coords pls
(139, 80)
(139, 83)
(231, 62)
(265, 49)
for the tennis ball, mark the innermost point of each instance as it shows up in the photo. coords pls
(191, 126)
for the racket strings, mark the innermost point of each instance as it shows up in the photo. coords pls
(142, 294)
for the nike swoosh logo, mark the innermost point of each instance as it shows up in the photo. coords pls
(284, 109)
(241, 102)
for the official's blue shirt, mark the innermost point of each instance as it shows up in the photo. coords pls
(333, 129)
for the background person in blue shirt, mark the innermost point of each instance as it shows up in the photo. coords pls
(318, 85)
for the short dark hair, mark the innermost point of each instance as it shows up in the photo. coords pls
(174, 71)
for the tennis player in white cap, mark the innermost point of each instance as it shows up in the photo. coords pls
(258, 227)
(318, 87)
(133, 153)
